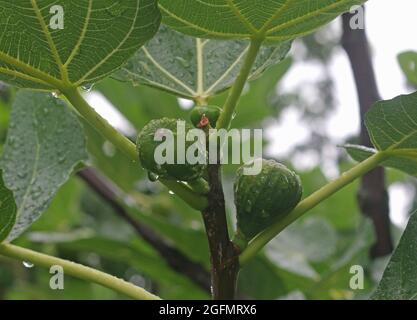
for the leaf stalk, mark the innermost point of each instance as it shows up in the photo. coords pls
(235, 93)
(77, 270)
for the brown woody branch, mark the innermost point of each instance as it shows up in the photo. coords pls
(372, 195)
(173, 257)
(224, 256)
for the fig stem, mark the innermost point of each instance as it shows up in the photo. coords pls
(101, 124)
(234, 95)
(193, 199)
(309, 203)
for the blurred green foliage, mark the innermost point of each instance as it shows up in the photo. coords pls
(80, 226)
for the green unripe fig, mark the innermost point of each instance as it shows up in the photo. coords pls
(147, 145)
(200, 114)
(264, 198)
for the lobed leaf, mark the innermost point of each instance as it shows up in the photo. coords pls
(361, 153)
(392, 126)
(295, 248)
(399, 281)
(193, 67)
(96, 39)
(45, 143)
(278, 20)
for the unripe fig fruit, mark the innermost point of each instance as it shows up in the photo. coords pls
(264, 198)
(199, 115)
(146, 146)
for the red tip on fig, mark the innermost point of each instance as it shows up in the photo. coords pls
(203, 122)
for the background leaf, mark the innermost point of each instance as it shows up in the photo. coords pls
(282, 20)
(260, 279)
(399, 281)
(44, 144)
(7, 210)
(408, 63)
(136, 255)
(346, 217)
(193, 67)
(97, 38)
(313, 240)
(392, 126)
(360, 153)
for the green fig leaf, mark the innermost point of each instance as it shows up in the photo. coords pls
(392, 126)
(193, 67)
(45, 143)
(277, 20)
(94, 40)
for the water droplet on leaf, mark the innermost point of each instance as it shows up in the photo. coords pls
(109, 149)
(183, 62)
(152, 176)
(28, 264)
(87, 87)
(21, 175)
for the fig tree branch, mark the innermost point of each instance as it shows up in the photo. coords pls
(223, 254)
(372, 195)
(172, 256)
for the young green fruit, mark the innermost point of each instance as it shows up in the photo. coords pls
(146, 146)
(264, 198)
(199, 114)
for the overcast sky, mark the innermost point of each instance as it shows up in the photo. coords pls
(391, 30)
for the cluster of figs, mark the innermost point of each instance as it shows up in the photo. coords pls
(260, 200)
